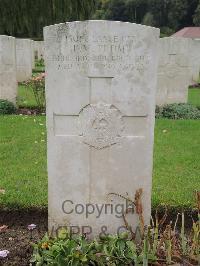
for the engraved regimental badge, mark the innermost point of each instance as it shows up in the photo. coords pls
(100, 125)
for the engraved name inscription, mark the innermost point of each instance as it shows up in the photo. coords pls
(105, 52)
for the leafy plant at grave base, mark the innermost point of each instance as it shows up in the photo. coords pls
(7, 107)
(178, 111)
(39, 63)
(39, 66)
(157, 244)
(37, 85)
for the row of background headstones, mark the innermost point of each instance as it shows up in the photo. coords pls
(179, 66)
(17, 61)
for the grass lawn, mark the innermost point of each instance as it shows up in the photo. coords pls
(23, 162)
(176, 162)
(25, 94)
(194, 96)
(26, 97)
(38, 69)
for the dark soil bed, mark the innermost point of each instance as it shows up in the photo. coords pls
(29, 111)
(17, 238)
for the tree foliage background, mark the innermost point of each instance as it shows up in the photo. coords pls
(26, 18)
(169, 15)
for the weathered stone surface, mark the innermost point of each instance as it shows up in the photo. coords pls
(173, 71)
(24, 59)
(100, 85)
(194, 54)
(100, 125)
(8, 81)
(39, 49)
(33, 53)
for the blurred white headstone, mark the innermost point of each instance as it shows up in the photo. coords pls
(39, 49)
(173, 70)
(24, 59)
(8, 81)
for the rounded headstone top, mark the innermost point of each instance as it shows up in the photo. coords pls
(7, 37)
(107, 22)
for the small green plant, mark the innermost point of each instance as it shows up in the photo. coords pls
(178, 111)
(39, 66)
(157, 244)
(39, 63)
(109, 250)
(7, 107)
(37, 84)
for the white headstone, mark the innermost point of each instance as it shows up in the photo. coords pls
(194, 55)
(101, 80)
(33, 53)
(24, 59)
(8, 81)
(39, 50)
(173, 71)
